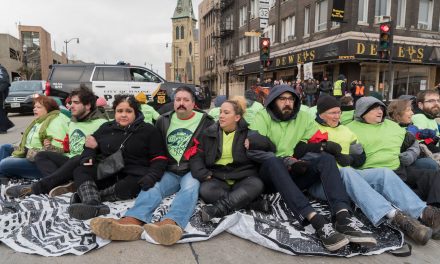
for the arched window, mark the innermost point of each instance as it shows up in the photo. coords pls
(190, 48)
(177, 32)
(182, 32)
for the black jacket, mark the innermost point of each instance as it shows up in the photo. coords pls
(144, 152)
(210, 151)
(163, 123)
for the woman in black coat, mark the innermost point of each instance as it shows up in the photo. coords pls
(229, 179)
(144, 161)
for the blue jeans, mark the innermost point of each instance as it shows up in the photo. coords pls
(183, 205)
(377, 192)
(6, 151)
(11, 167)
(425, 164)
(310, 98)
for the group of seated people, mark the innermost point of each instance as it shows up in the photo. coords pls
(374, 162)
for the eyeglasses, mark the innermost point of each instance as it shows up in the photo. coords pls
(431, 101)
(286, 99)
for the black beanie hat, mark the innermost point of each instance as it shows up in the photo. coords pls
(326, 102)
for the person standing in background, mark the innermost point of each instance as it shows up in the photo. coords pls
(5, 123)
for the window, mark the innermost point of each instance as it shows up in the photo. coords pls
(68, 73)
(271, 33)
(401, 10)
(255, 44)
(382, 8)
(363, 11)
(243, 16)
(141, 75)
(306, 21)
(321, 15)
(425, 14)
(242, 47)
(229, 22)
(177, 32)
(182, 32)
(288, 29)
(115, 74)
(255, 5)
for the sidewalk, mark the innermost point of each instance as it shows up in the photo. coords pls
(224, 248)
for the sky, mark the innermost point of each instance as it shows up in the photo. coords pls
(134, 31)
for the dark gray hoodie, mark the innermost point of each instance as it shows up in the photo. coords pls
(276, 91)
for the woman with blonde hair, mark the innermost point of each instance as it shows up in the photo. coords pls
(229, 179)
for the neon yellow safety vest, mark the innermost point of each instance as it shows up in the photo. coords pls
(337, 89)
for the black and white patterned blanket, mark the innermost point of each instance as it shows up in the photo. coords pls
(40, 225)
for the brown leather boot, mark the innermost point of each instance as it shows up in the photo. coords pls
(165, 232)
(127, 228)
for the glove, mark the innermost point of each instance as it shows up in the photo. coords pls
(331, 147)
(426, 133)
(299, 167)
(356, 149)
(343, 160)
(146, 182)
(406, 158)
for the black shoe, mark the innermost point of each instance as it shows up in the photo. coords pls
(431, 218)
(19, 191)
(412, 228)
(3, 132)
(261, 205)
(84, 211)
(74, 199)
(210, 211)
(354, 230)
(330, 238)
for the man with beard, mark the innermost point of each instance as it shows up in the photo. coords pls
(428, 103)
(289, 129)
(57, 168)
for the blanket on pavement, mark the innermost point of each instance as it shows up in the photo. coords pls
(41, 225)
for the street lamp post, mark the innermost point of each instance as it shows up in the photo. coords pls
(25, 49)
(67, 41)
(211, 59)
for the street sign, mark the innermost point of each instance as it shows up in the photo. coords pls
(252, 34)
(264, 13)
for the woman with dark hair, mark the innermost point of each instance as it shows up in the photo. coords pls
(229, 179)
(46, 132)
(143, 154)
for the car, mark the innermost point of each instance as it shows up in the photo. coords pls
(21, 95)
(107, 80)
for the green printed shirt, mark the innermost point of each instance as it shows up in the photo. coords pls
(180, 133)
(78, 132)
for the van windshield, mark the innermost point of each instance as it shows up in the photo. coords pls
(25, 86)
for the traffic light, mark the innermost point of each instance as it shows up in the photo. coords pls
(385, 37)
(264, 50)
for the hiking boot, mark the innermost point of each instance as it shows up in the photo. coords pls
(431, 218)
(62, 189)
(84, 211)
(19, 191)
(260, 205)
(166, 232)
(412, 228)
(125, 229)
(354, 230)
(330, 238)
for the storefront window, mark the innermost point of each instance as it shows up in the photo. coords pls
(410, 79)
(369, 74)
